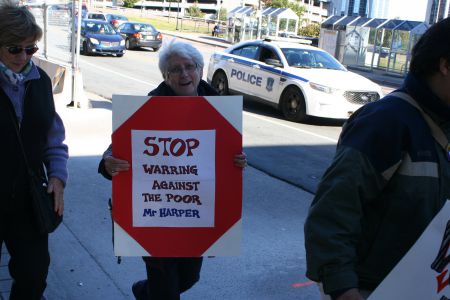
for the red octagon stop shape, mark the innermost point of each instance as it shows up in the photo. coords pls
(181, 113)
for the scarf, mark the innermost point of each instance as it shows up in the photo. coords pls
(15, 78)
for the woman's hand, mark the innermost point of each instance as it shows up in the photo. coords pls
(56, 186)
(240, 160)
(114, 165)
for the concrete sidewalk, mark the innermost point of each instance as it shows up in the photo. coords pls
(83, 265)
(80, 268)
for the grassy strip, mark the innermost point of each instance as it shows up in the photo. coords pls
(164, 24)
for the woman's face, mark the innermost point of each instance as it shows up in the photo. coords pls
(183, 76)
(16, 62)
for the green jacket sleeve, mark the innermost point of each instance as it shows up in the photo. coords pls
(334, 224)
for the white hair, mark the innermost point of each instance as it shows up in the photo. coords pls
(181, 49)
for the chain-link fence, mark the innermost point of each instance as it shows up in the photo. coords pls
(56, 22)
(57, 55)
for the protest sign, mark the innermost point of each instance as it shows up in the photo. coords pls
(423, 273)
(183, 194)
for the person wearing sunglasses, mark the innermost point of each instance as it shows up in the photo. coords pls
(181, 66)
(26, 107)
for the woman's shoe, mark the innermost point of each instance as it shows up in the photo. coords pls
(139, 289)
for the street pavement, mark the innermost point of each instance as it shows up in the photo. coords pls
(83, 265)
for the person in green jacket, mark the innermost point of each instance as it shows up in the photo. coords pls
(387, 181)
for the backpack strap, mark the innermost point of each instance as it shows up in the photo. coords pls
(436, 131)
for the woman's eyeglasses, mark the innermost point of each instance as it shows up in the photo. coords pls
(17, 50)
(178, 70)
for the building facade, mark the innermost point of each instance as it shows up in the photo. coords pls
(316, 10)
(440, 9)
(429, 11)
(206, 6)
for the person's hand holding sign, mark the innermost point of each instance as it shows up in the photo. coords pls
(240, 160)
(114, 165)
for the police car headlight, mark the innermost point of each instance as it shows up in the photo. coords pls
(322, 88)
(122, 42)
(94, 41)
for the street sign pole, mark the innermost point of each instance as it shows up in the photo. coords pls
(76, 94)
(178, 12)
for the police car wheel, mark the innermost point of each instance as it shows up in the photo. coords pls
(220, 83)
(292, 105)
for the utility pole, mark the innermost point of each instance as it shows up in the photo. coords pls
(369, 8)
(168, 13)
(259, 17)
(219, 2)
(178, 13)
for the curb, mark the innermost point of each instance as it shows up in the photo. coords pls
(195, 39)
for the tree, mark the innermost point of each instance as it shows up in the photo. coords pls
(129, 3)
(194, 11)
(223, 14)
(312, 30)
(295, 6)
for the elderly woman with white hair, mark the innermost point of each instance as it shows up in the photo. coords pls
(181, 66)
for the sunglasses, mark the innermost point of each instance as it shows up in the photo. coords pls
(16, 49)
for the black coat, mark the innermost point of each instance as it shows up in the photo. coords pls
(39, 113)
(204, 89)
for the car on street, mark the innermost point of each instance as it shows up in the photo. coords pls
(140, 35)
(114, 19)
(84, 9)
(300, 80)
(98, 37)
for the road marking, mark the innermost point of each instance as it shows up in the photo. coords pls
(119, 74)
(303, 284)
(291, 127)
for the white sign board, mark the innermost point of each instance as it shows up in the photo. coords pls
(173, 185)
(423, 273)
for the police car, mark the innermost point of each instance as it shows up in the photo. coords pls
(300, 80)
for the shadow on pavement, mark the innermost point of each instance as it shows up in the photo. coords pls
(270, 111)
(215, 39)
(105, 104)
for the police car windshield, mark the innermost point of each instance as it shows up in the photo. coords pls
(306, 58)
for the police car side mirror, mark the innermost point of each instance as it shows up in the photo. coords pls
(273, 62)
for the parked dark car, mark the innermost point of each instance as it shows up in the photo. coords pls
(98, 37)
(116, 20)
(113, 19)
(140, 35)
